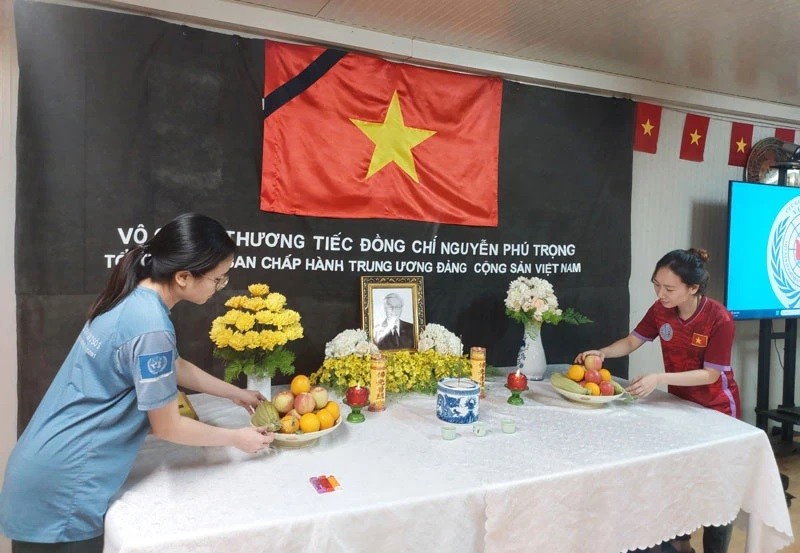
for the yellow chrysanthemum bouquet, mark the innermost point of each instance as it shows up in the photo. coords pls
(347, 362)
(251, 336)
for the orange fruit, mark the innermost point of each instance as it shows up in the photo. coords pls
(593, 388)
(333, 408)
(326, 420)
(310, 422)
(605, 375)
(300, 384)
(575, 372)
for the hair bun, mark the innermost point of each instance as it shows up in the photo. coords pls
(700, 253)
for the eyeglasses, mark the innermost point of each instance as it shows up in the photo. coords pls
(219, 282)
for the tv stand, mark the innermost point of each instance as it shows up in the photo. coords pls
(786, 413)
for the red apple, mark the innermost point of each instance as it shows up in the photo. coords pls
(517, 381)
(593, 375)
(593, 362)
(283, 401)
(320, 396)
(357, 395)
(304, 403)
(606, 388)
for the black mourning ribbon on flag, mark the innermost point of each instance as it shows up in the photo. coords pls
(300, 82)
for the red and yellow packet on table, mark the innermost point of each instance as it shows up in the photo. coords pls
(324, 484)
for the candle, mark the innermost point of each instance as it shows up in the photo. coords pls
(377, 383)
(517, 381)
(508, 426)
(356, 395)
(477, 359)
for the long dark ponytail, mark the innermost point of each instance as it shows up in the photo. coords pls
(190, 242)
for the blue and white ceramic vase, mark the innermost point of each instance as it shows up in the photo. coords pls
(457, 400)
(531, 359)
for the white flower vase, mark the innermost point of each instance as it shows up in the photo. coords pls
(531, 359)
(260, 384)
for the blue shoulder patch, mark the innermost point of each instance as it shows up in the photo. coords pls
(154, 366)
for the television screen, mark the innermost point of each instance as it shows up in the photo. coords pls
(763, 273)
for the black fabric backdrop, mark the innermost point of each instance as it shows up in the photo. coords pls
(127, 121)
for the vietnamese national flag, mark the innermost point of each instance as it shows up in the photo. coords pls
(646, 127)
(354, 136)
(787, 135)
(741, 144)
(693, 139)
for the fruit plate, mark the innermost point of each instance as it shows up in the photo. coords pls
(587, 399)
(304, 439)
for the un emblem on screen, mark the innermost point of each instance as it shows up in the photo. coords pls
(783, 255)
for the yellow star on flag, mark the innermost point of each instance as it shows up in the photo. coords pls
(648, 127)
(695, 137)
(740, 145)
(393, 140)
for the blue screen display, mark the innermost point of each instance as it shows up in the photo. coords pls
(763, 274)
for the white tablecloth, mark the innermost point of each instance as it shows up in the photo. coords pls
(572, 479)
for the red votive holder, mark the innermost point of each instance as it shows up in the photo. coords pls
(517, 381)
(357, 396)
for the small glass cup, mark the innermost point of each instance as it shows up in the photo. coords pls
(479, 429)
(508, 426)
(448, 432)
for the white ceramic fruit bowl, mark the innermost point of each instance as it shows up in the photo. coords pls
(303, 439)
(587, 399)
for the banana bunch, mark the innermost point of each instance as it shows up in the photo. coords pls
(267, 415)
(561, 382)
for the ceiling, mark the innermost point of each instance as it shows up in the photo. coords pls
(715, 50)
(747, 48)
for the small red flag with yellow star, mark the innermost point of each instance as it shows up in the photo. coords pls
(693, 139)
(646, 127)
(787, 135)
(741, 144)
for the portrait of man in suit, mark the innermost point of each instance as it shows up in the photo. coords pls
(392, 332)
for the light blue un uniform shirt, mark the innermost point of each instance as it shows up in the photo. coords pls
(84, 437)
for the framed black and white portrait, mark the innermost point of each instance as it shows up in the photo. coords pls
(393, 310)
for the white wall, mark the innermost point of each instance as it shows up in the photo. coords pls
(8, 320)
(675, 204)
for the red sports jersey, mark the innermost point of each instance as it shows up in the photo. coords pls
(703, 341)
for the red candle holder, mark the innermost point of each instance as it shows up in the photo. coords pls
(356, 397)
(517, 382)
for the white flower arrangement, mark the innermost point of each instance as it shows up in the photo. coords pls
(438, 338)
(350, 342)
(533, 301)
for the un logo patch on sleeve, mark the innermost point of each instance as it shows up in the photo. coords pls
(154, 366)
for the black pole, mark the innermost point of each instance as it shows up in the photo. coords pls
(789, 353)
(762, 390)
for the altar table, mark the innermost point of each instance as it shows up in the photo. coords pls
(572, 479)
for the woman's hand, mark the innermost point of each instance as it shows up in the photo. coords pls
(252, 440)
(249, 399)
(641, 386)
(581, 356)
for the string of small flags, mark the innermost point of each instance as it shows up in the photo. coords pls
(693, 139)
